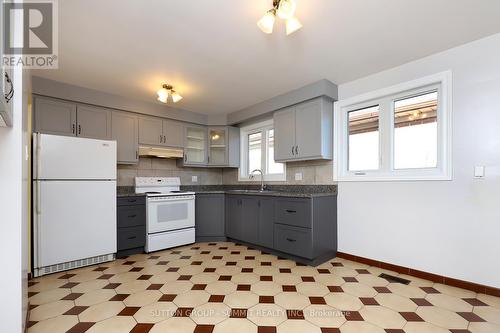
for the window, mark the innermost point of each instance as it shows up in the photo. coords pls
(364, 139)
(257, 152)
(399, 133)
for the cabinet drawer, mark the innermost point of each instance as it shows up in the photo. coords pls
(131, 216)
(296, 212)
(129, 201)
(129, 238)
(293, 240)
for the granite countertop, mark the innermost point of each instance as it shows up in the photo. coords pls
(127, 191)
(291, 191)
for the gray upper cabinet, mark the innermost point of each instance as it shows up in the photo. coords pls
(150, 131)
(93, 122)
(304, 131)
(173, 133)
(161, 132)
(195, 146)
(53, 116)
(124, 129)
(224, 146)
(284, 134)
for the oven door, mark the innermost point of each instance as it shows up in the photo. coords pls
(170, 213)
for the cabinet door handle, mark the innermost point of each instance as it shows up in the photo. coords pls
(136, 155)
(185, 157)
(79, 129)
(133, 237)
(132, 216)
(296, 150)
(293, 153)
(290, 211)
(164, 139)
(132, 200)
(291, 240)
(161, 138)
(73, 129)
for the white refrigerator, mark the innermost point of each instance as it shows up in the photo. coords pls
(74, 208)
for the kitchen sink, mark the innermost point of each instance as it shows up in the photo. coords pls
(251, 191)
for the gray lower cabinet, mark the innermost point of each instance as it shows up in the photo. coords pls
(93, 122)
(234, 215)
(301, 227)
(131, 225)
(124, 129)
(293, 240)
(266, 222)
(250, 219)
(210, 217)
(306, 227)
(54, 116)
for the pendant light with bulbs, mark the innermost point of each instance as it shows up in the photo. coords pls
(285, 10)
(167, 90)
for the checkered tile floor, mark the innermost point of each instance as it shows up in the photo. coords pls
(226, 287)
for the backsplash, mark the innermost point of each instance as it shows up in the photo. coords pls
(313, 173)
(159, 167)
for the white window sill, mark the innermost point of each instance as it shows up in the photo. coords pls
(393, 178)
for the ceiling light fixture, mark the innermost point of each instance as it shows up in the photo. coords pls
(167, 90)
(284, 9)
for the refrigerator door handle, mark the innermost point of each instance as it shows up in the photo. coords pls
(37, 156)
(38, 198)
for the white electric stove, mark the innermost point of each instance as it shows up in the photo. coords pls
(169, 212)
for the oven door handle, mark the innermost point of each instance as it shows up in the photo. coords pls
(171, 200)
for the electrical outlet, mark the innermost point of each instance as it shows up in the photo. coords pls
(194, 179)
(479, 172)
(298, 176)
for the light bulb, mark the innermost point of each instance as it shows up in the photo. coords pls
(266, 23)
(215, 137)
(162, 95)
(175, 96)
(292, 25)
(286, 9)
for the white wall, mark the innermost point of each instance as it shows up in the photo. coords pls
(14, 212)
(450, 228)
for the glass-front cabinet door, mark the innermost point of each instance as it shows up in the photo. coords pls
(217, 146)
(195, 149)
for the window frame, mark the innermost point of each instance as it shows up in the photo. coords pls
(442, 82)
(245, 131)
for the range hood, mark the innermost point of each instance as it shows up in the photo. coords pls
(161, 152)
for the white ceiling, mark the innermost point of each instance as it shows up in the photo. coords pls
(216, 57)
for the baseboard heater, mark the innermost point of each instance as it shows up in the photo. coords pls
(73, 264)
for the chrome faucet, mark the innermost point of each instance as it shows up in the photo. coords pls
(252, 176)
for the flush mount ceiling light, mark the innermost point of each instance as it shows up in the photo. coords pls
(284, 9)
(167, 90)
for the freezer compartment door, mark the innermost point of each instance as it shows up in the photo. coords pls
(73, 220)
(63, 157)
